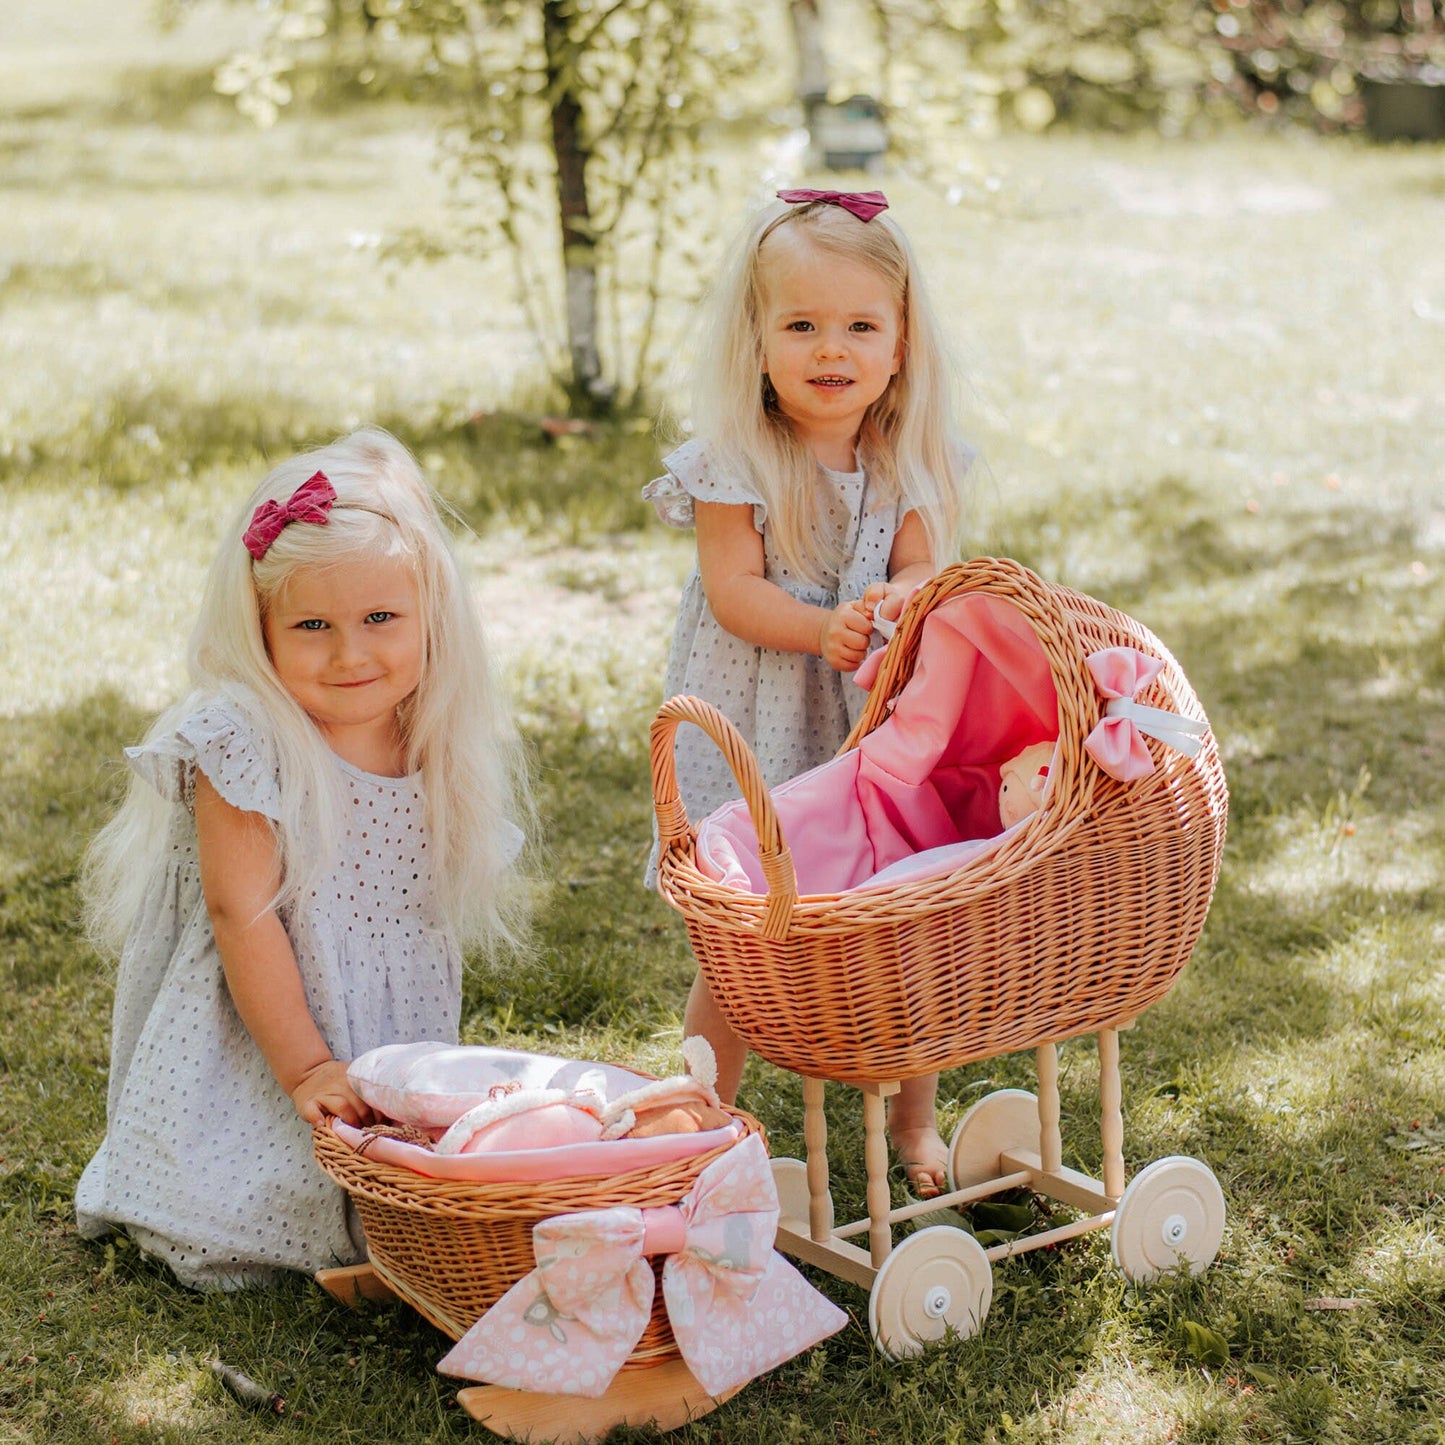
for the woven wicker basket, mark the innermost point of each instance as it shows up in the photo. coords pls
(452, 1250)
(1076, 922)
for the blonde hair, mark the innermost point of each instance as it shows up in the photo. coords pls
(907, 440)
(456, 727)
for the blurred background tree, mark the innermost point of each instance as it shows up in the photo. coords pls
(573, 135)
(576, 129)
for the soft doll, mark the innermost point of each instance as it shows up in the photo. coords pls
(1022, 781)
(684, 1104)
(474, 1099)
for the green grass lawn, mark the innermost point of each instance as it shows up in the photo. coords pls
(1205, 379)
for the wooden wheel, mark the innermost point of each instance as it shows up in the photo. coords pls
(936, 1280)
(790, 1178)
(1004, 1119)
(1172, 1211)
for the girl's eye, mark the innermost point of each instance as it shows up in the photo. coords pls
(800, 326)
(312, 624)
(380, 616)
(862, 326)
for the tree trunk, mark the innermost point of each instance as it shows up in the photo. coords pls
(812, 81)
(579, 246)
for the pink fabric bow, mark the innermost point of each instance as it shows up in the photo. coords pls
(736, 1306)
(863, 204)
(1117, 742)
(310, 502)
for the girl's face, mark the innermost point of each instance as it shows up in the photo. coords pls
(832, 334)
(346, 643)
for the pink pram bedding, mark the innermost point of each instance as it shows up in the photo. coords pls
(918, 796)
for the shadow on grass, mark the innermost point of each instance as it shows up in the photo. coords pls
(1288, 1056)
(504, 466)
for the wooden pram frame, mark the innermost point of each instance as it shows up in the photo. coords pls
(938, 1279)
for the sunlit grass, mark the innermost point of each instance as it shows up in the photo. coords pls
(1203, 382)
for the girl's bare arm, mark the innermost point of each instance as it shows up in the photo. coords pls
(730, 562)
(239, 878)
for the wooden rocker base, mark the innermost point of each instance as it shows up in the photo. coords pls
(664, 1396)
(353, 1283)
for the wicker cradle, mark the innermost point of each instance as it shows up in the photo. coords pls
(1076, 922)
(451, 1249)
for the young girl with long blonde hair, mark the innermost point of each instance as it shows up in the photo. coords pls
(825, 482)
(308, 840)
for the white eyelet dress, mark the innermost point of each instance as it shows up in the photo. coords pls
(206, 1163)
(793, 710)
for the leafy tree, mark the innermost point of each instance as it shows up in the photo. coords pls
(575, 125)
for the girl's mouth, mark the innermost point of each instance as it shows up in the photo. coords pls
(832, 382)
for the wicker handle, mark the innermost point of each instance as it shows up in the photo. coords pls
(1058, 633)
(672, 825)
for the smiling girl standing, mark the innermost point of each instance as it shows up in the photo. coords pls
(825, 482)
(308, 839)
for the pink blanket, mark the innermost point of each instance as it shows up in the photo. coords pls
(919, 795)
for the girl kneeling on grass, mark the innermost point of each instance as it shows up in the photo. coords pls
(825, 483)
(307, 841)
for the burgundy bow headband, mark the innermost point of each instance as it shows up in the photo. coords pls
(863, 204)
(310, 502)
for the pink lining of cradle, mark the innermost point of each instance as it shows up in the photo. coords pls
(596, 1159)
(918, 796)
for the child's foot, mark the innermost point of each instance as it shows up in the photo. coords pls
(924, 1158)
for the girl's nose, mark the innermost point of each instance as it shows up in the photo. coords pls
(830, 344)
(347, 650)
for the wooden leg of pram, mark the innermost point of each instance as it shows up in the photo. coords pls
(1051, 1146)
(663, 1396)
(875, 1161)
(815, 1138)
(1111, 1113)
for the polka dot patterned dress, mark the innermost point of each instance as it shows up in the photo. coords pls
(206, 1163)
(793, 709)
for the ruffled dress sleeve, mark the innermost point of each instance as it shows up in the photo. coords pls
(222, 740)
(692, 477)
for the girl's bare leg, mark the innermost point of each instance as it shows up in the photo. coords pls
(913, 1128)
(704, 1017)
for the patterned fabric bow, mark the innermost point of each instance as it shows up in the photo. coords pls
(310, 502)
(1117, 742)
(736, 1306)
(863, 204)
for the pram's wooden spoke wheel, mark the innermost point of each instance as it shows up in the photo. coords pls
(1004, 1119)
(790, 1178)
(1172, 1212)
(935, 1280)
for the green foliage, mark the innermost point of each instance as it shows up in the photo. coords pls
(1168, 64)
(573, 143)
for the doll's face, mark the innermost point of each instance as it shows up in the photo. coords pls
(346, 643)
(832, 333)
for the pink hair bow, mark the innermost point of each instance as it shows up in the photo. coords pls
(310, 502)
(863, 204)
(1117, 742)
(736, 1306)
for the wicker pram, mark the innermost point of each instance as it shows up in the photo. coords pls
(1075, 923)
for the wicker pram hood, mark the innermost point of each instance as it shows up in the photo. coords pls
(918, 796)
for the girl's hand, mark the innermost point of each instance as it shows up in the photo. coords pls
(888, 599)
(844, 640)
(326, 1090)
